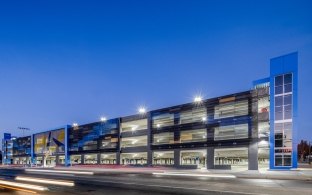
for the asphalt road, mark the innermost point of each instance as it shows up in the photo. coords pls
(137, 184)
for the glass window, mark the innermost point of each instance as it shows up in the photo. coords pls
(193, 136)
(134, 125)
(163, 138)
(287, 112)
(287, 99)
(279, 113)
(231, 132)
(279, 101)
(288, 88)
(278, 160)
(287, 160)
(163, 120)
(231, 109)
(278, 80)
(134, 141)
(287, 78)
(279, 90)
(193, 115)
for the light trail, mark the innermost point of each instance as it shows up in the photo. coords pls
(196, 175)
(46, 181)
(17, 189)
(60, 171)
(22, 185)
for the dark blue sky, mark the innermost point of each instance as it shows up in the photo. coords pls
(74, 61)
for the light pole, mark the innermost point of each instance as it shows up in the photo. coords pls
(23, 128)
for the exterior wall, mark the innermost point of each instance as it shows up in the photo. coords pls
(287, 64)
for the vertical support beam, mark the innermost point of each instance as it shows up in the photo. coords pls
(82, 159)
(177, 154)
(32, 150)
(253, 155)
(98, 158)
(210, 158)
(119, 141)
(66, 150)
(149, 140)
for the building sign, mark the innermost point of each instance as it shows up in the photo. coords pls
(7, 136)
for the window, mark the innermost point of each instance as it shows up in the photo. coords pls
(163, 120)
(278, 80)
(193, 115)
(163, 158)
(134, 141)
(193, 136)
(283, 111)
(231, 132)
(163, 138)
(108, 158)
(134, 125)
(139, 158)
(231, 109)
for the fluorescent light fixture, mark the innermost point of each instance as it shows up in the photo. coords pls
(45, 181)
(158, 125)
(204, 119)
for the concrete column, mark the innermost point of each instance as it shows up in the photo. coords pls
(210, 158)
(253, 155)
(119, 144)
(82, 159)
(177, 157)
(98, 158)
(57, 160)
(149, 140)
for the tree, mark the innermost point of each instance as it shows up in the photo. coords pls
(303, 150)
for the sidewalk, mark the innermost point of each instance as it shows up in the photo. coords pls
(298, 174)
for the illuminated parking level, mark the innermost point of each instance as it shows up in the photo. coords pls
(251, 129)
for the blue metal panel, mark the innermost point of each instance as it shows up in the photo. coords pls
(279, 66)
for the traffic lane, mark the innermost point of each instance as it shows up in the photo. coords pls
(203, 185)
(218, 184)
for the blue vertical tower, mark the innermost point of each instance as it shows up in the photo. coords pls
(284, 111)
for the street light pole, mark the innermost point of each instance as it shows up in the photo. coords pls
(23, 128)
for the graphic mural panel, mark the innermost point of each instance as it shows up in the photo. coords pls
(53, 141)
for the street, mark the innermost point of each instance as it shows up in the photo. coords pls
(145, 183)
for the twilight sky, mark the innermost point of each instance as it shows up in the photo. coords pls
(75, 61)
